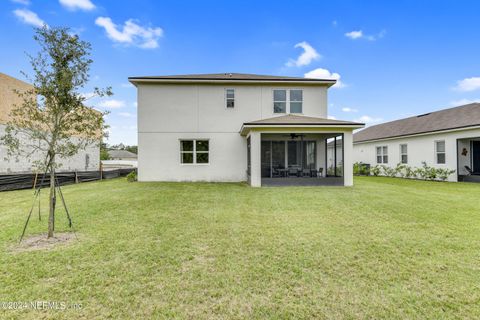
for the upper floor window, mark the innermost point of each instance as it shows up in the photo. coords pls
(283, 98)
(194, 151)
(403, 153)
(279, 101)
(382, 154)
(230, 98)
(296, 101)
(440, 152)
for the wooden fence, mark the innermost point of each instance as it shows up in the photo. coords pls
(31, 180)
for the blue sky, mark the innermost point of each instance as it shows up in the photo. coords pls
(393, 58)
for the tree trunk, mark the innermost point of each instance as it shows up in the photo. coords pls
(51, 216)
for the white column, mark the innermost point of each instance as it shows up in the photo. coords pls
(348, 158)
(255, 161)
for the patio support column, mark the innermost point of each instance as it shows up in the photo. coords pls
(255, 161)
(348, 158)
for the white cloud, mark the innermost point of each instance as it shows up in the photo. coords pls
(135, 104)
(332, 118)
(127, 85)
(321, 73)
(86, 5)
(29, 17)
(462, 102)
(468, 84)
(354, 34)
(131, 33)
(309, 54)
(126, 114)
(368, 120)
(358, 34)
(112, 104)
(347, 109)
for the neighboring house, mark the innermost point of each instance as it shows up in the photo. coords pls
(447, 138)
(266, 130)
(86, 160)
(122, 155)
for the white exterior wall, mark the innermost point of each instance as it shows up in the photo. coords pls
(420, 148)
(169, 113)
(25, 165)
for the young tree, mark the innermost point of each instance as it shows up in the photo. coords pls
(53, 119)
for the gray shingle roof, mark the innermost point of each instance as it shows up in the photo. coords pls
(121, 154)
(230, 77)
(301, 120)
(453, 118)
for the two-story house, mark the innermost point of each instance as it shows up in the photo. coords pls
(84, 160)
(267, 130)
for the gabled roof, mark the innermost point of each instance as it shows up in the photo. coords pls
(454, 118)
(121, 154)
(291, 120)
(229, 77)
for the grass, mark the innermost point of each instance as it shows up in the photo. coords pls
(386, 248)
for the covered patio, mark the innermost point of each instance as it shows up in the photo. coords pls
(298, 150)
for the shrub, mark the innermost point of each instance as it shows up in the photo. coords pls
(132, 176)
(389, 172)
(400, 170)
(357, 167)
(443, 174)
(375, 170)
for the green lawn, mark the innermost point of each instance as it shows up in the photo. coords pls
(386, 248)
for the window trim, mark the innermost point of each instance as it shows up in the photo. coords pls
(226, 98)
(194, 152)
(382, 154)
(436, 152)
(403, 154)
(287, 100)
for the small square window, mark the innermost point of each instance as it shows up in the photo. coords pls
(194, 151)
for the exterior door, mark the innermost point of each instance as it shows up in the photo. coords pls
(476, 156)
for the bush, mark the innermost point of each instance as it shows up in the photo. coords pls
(375, 170)
(132, 176)
(443, 174)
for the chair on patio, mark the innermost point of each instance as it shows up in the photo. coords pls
(293, 172)
(471, 172)
(277, 172)
(306, 172)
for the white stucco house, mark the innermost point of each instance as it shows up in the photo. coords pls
(267, 130)
(447, 138)
(85, 160)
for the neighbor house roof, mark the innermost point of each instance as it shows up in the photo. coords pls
(121, 154)
(454, 118)
(291, 120)
(229, 77)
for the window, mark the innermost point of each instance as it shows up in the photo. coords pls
(440, 152)
(403, 153)
(279, 101)
(295, 101)
(194, 151)
(230, 98)
(382, 154)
